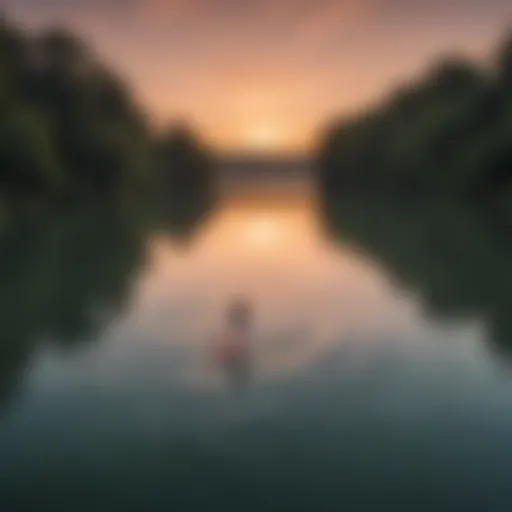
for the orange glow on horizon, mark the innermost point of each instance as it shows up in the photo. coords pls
(267, 76)
(263, 137)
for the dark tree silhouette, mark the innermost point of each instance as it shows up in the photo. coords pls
(70, 128)
(449, 134)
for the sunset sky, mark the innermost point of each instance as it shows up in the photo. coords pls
(267, 74)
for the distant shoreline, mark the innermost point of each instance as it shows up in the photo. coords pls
(264, 163)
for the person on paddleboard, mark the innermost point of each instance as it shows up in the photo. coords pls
(235, 344)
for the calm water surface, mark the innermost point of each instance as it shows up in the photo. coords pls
(380, 376)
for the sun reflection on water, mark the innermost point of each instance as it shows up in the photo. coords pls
(309, 294)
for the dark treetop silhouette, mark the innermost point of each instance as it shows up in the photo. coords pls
(69, 127)
(449, 134)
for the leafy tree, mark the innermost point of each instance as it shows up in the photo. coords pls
(505, 63)
(183, 163)
(69, 125)
(27, 154)
(449, 133)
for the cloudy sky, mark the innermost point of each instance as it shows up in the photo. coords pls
(269, 73)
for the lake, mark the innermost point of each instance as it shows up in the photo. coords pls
(380, 374)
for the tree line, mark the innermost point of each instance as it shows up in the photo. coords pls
(70, 128)
(448, 133)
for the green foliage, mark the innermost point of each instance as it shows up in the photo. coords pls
(505, 63)
(182, 162)
(448, 134)
(29, 160)
(70, 128)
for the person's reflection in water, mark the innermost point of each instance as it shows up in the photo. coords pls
(234, 350)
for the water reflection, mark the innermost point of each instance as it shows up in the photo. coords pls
(180, 214)
(348, 372)
(66, 278)
(265, 242)
(457, 261)
(161, 278)
(62, 280)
